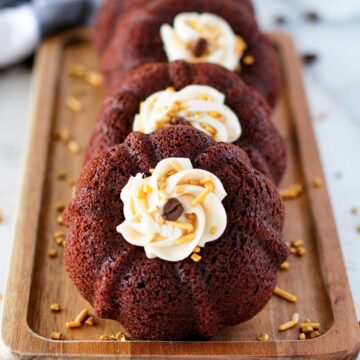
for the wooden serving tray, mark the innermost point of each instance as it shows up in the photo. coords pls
(36, 280)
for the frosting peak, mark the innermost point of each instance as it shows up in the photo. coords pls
(202, 37)
(200, 106)
(175, 211)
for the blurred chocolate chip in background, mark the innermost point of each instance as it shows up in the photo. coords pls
(312, 16)
(309, 58)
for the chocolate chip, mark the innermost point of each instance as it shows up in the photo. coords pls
(281, 20)
(200, 47)
(312, 16)
(172, 209)
(309, 58)
(179, 120)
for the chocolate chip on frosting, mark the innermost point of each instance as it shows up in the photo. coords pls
(179, 120)
(200, 47)
(172, 209)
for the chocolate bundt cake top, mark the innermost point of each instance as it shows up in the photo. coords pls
(238, 247)
(204, 95)
(223, 32)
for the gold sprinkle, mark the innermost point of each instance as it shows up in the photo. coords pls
(191, 216)
(198, 115)
(151, 171)
(213, 230)
(197, 249)
(74, 147)
(209, 129)
(314, 334)
(295, 318)
(72, 324)
(302, 336)
(300, 251)
(240, 45)
(263, 337)
(90, 321)
(147, 189)
(179, 189)
(94, 78)
(104, 337)
(186, 238)
(155, 237)
(140, 194)
(195, 257)
(248, 60)
(200, 197)
(161, 220)
(55, 308)
(77, 70)
(209, 186)
(81, 317)
(170, 88)
(194, 182)
(297, 243)
(284, 266)
(293, 250)
(285, 295)
(292, 192)
(205, 98)
(169, 173)
(175, 166)
(72, 182)
(52, 253)
(119, 336)
(62, 135)
(318, 183)
(59, 220)
(163, 195)
(315, 326)
(59, 206)
(161, 184)
(204, 180)
(181, 225)
(288, 325)
(74, 104)
(61, 175)
(216, 115)
(136, 218)
(307, 329)
(57, 336)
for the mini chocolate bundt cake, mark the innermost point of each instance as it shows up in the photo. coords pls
(174, 235)
(111, 11)
(245, 117)
(217, 31)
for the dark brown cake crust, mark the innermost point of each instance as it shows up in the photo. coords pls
(111, 11)
(157, 299)
(136, 41)
(259, 138)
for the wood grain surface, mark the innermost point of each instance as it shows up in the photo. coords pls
(36, 280)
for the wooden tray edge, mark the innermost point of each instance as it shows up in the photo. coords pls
(24, 246)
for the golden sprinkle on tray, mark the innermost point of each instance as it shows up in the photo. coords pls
(61, 175)
(263, 337)
(288, 325)
(284, 266)
(302, 336)
(62, 135)
(94, 78)
(74, 104)
(90, 321)
(77, 70)
(104, 337)
(52, 253)
(59, 220)
(314, 334)
(57, 336)
(248, 60)
(74, 147)
(285, 295)
(81, 317)
(292, 192)
(318, 183)
(55, 308)
(72, 324)
(297, 243)
(59, 206)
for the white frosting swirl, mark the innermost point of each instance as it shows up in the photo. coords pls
(203, 218)
(223, 46)
(202, 106)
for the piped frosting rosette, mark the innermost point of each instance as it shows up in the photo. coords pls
(174, 212)
(200, 106)
(202, 37)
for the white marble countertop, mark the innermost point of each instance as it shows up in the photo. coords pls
(333, 90)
